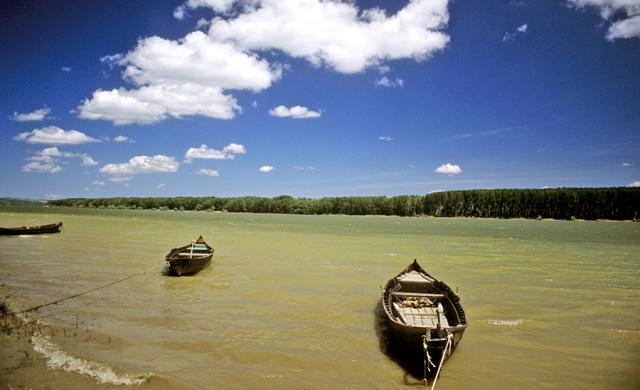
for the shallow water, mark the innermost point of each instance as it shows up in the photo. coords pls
(290, 301)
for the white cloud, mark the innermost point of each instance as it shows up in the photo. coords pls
(235, 149)
(120, 179)
(626, 164)
(217, 5)
(179, 78)
(54, 135)
(384, 69)
(53, 196)
(208, 172)
(450, 169)
(123, 138)
(42, 167)
(510, 36)
(97, 183)
(142, 164)
(385, 138)
(304, 168)
(384, 81)
(266, 168)
(254, 104)
(36, 115)
(206, 153)
(154, 103)
(296, 112)
(202, 23)
(627, 11)
(338, 34)
(66, 69)
(88, 161)
(47, 160)
(192, 75)
(635, 184)
(160, 185)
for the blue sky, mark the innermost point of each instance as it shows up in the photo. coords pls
(313, 98)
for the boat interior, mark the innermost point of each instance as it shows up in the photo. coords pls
(415, 303)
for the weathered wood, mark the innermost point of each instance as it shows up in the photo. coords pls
(185, 261)
(419, 295)
(42, 229)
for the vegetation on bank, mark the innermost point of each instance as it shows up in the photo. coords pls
(21, 202)
(618, 203)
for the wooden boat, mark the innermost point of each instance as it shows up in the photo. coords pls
(189, 259)
(424, 314)
(42, 229)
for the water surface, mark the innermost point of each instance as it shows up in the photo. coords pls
(290, 301)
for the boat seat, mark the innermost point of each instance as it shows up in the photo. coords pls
(426, 316)
(194, 254)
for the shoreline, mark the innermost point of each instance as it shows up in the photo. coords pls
(425, 216)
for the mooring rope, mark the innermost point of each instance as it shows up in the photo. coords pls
(445, 352)
(84, 292)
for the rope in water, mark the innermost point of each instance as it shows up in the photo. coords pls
(84, 292)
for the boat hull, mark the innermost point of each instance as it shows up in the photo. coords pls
(182, 267)
(408, 337)
(25, 230)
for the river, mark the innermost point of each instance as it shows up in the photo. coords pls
(291, 301)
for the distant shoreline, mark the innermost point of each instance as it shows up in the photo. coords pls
(615, 203)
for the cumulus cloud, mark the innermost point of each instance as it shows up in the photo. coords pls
(624, 16)
(204, 152)
(266, 168)
(510, 36)
(179, 78)
(42, 167)
(385, 138)
(385, 81)
(296, 112)
(139, 165)
(154, 103)
(48, 159)
(449, 169)
(208, 172)
(338, 34)
(626, 164)
(235, 149)
(36, 115)
(53, 135)
(66, 69)
(97, 183)
(192, 75)
(120, 179)
(635, 184)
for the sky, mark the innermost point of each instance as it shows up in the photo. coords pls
(314, 98)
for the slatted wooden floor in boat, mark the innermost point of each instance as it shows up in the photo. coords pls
(426, 316)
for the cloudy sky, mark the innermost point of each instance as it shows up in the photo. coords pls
(315, 97)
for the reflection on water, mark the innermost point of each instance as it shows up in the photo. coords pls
(293, 301)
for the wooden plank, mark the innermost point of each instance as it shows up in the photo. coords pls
(411, 294)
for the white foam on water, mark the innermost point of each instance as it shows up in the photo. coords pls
(505, 322)
(58, 359)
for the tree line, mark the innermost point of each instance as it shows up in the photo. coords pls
(618, 203)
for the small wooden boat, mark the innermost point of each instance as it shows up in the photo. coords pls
(189, 259)
(425, 315)
(42, 229)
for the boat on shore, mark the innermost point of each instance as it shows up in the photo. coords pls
(189, 259)
(425, 316)
(41, 229)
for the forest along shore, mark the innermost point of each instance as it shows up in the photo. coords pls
(615, 203)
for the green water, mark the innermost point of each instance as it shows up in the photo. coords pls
(290, 301)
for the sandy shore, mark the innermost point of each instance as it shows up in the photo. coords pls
(23, 367)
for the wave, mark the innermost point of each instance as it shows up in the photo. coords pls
(58, 359)
(505, 322)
